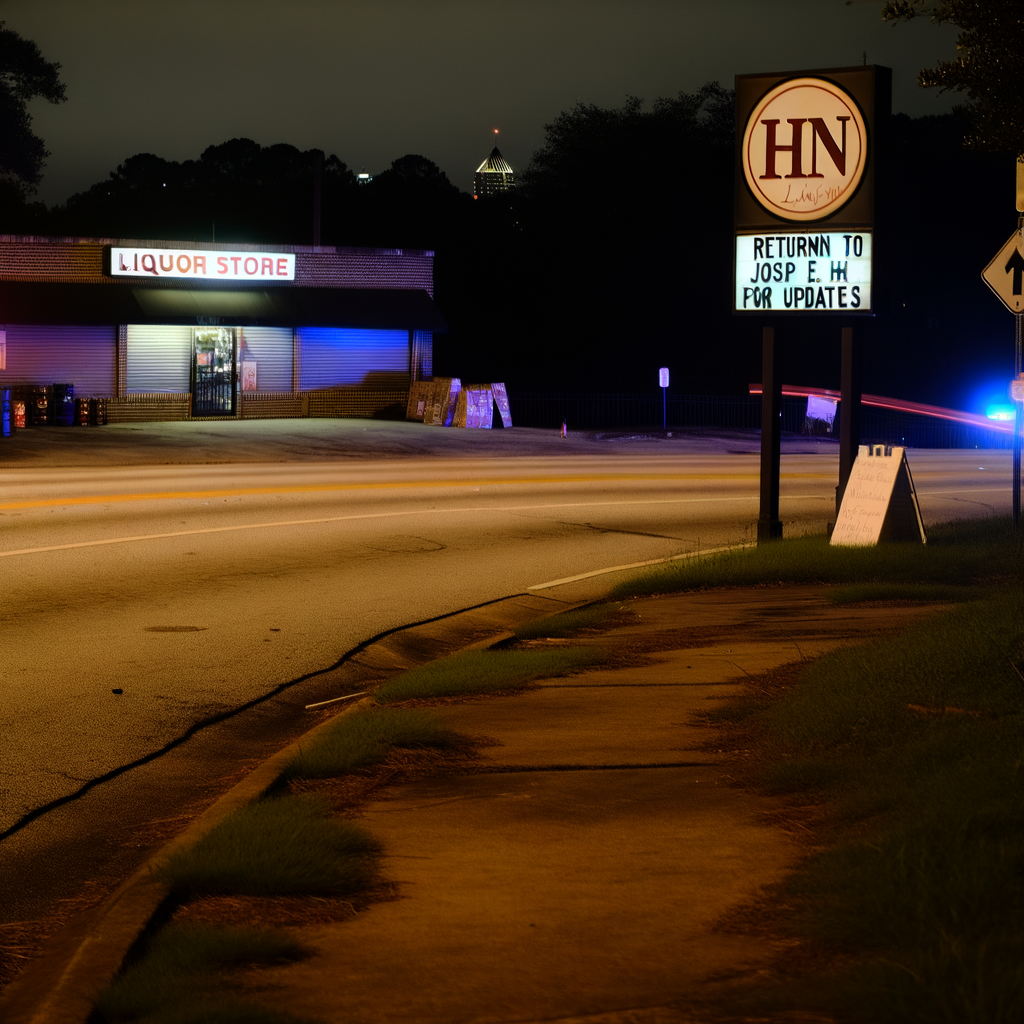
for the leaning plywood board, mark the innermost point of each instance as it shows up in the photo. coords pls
(419, 391)
(448, 411)
(479, 406)
(879, 503)
(501, 400)
(438, 397)
(459, 419)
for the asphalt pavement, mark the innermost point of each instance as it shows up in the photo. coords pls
(202, 568)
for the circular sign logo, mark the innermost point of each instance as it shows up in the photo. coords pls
(804, 149)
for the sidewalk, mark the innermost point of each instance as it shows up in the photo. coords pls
(581, 870)
(575, 873)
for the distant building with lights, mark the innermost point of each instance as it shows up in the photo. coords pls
(493, 176)
(163, 330)
(362, 178)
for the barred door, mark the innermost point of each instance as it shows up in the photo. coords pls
(213, 371)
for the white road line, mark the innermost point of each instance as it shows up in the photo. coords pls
(372, 515)
(636, 565)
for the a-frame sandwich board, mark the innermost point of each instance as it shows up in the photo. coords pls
(880, 502)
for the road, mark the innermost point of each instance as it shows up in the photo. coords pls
(197, 588)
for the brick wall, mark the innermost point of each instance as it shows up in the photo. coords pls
(335, 403)
(26, 258)
(148, 408)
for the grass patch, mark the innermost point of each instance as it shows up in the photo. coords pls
(568, 623)
(903, 593)
(485, 672)
(275, 847)
(956, 554)
(180, 978)
(364, 739)
(916, 745)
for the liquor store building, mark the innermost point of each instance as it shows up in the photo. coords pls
(192, 330)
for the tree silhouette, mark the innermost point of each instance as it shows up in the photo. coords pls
(989, 68)
(24, 75)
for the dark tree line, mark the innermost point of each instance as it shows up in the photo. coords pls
(24, 75)
(614, 256)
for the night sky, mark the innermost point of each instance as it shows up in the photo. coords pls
(373, 80)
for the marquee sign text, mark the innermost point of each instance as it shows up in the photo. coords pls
(804, 272)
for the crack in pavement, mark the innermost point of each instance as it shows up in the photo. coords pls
(223, 716)
(603, 529)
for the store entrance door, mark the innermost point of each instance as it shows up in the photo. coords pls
(213, 371)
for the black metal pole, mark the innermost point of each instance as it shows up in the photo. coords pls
(849, 412)
(1018, 422)
(769, 526)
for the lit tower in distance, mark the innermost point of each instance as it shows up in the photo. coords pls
(494, 175)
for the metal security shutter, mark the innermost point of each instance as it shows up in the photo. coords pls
(423, 348)
(159, 359)
(333, 357)
(271, 347)
(83, 356)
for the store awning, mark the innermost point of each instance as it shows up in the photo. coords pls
(32, 302)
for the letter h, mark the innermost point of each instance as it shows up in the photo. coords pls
(795, 148)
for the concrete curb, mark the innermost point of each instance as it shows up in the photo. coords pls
(61, 986)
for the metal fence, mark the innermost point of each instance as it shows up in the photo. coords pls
(644, 412)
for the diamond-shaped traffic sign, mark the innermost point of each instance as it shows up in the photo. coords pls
(1005, 274)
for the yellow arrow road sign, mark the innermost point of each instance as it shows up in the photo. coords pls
(1005, 274)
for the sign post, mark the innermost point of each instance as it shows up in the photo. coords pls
(769, 526)
(849, 413)
(1005, 276)
(804, 211)
(663, 384)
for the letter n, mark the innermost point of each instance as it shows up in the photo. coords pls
(819, 131)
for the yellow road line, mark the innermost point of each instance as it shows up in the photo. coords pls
(104, 499)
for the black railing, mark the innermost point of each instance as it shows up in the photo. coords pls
(644, 412)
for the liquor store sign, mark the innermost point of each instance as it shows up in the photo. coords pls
(202, 264)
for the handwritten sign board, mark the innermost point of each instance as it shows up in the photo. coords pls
(879, 503)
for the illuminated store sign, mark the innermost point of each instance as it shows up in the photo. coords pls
(804, 272)
(804, 149)
(203, 264)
